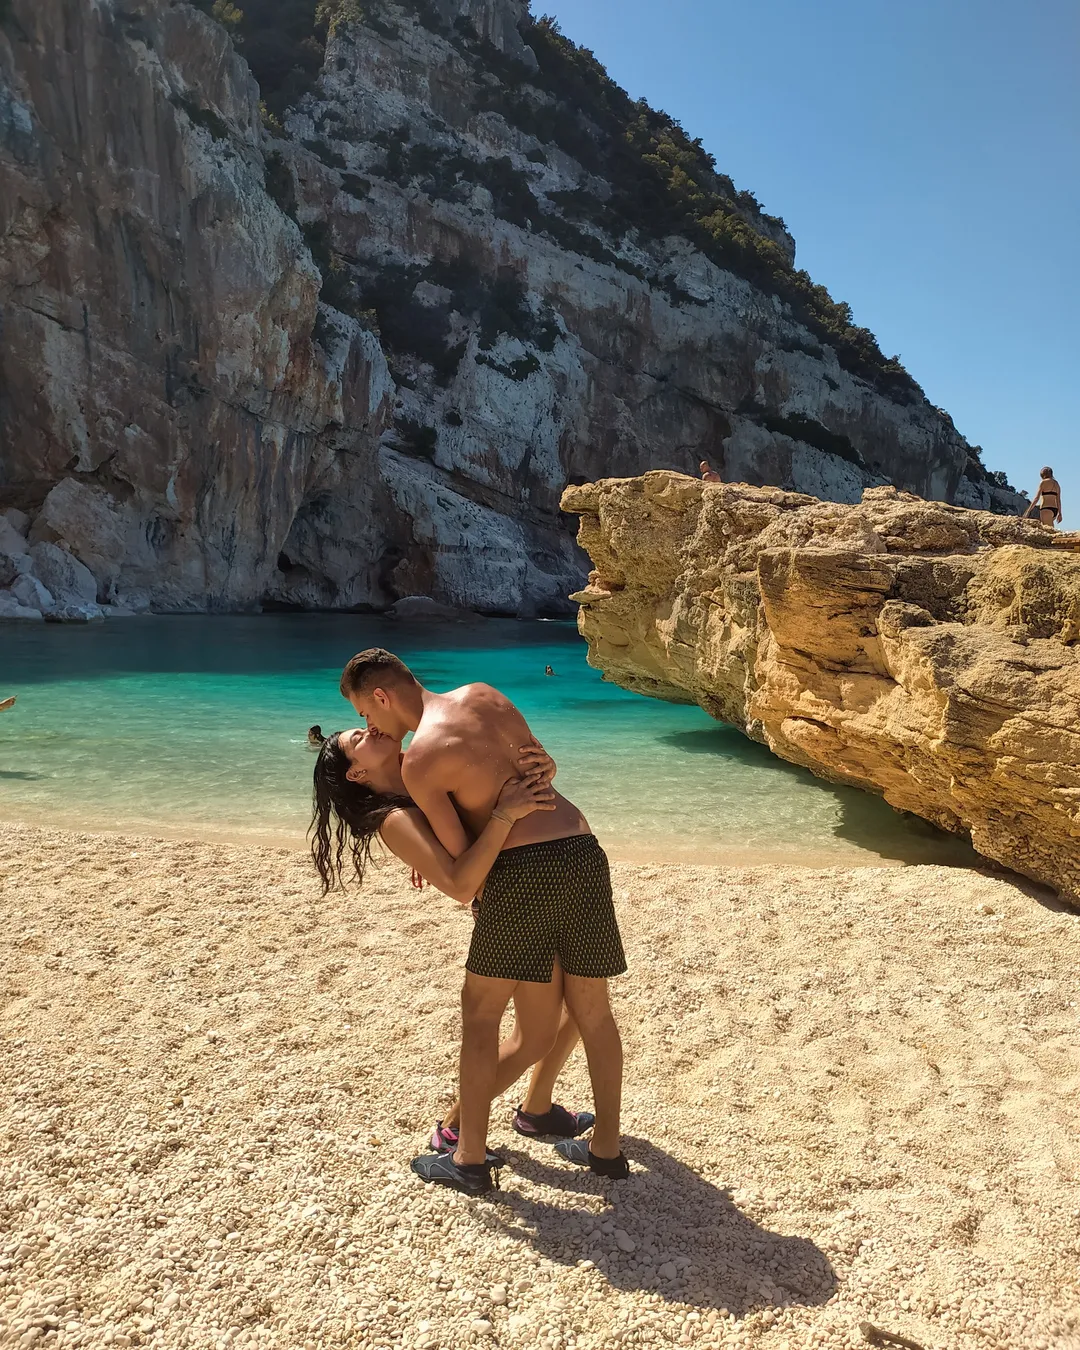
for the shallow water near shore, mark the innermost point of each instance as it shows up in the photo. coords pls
(195, 726)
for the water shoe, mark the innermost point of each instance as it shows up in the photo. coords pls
(558, 1122)
(470, 1178)
(444, 1138)
(578, 1151)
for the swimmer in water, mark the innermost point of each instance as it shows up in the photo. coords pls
(315, 737)
(548, 670)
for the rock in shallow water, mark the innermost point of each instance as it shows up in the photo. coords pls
(917, 650)
(423, 607)
(10, 608)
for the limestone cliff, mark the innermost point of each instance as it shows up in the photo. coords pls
(918, 650)
(355, 351)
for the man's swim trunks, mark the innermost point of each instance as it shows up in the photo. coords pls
(546, 900)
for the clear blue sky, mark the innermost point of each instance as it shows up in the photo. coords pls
(926, 157)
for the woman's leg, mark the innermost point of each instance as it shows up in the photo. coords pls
(542, 1083)
(536, 1034)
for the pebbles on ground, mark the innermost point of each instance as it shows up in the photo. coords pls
(851, 1097)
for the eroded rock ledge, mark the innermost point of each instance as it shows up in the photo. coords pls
(921, 651)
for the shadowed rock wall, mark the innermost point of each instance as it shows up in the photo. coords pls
(359, 357)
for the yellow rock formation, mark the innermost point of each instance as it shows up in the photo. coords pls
(921, 651)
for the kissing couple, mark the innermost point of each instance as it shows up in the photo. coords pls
(470, 807)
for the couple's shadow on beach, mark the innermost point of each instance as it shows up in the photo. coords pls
(721, 1259)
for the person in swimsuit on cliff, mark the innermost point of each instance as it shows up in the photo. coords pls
(708, 475)
(1047, 498)
(546, 912)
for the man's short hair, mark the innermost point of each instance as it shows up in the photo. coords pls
(374, 668)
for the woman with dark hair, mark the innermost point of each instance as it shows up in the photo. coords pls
(358, 795)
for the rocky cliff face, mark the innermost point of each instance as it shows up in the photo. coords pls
(920, 651)
(358, 355)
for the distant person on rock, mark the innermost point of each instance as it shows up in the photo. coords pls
(7, 703)
(708, 475)
(1047, 498)
(315, 737)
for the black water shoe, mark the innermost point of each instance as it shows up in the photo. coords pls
(578, 1151)
(470, 1178)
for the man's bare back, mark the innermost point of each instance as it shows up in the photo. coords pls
(466, 746)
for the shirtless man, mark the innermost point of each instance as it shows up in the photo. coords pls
(708, 475)
(548, 896)
(1047, 498)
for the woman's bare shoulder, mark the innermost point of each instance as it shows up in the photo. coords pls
(405, 831)
(402, 818)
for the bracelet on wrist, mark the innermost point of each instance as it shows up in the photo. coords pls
(500, 815)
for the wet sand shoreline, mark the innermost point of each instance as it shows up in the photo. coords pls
(620, 848)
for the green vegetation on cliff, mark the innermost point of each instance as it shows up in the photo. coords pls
(662, 182)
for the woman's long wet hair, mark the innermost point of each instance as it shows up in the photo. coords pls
(346, 816)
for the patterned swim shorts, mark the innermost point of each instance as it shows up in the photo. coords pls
(546, 900)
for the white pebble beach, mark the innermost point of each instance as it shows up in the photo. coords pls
(851, 1098)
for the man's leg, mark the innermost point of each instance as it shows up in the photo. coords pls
(587, 1000)
(536, 1017)
(483, 1002)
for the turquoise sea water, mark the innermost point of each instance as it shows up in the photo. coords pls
(196, 726)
